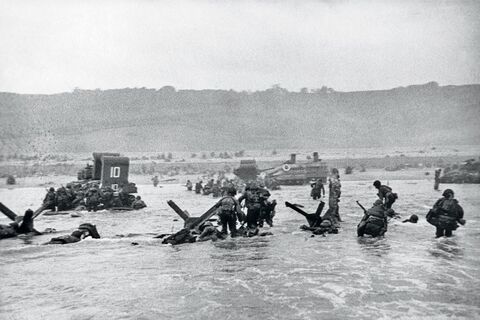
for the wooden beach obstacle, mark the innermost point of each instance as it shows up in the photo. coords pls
(193, 222)
(14, 217)
(190, 224)
(314, 219)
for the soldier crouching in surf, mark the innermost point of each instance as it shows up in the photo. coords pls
(374, 221)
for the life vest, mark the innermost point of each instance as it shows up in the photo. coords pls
(253, 200)
(377, 211)
(375, 222)
(444, 214)
(227, 205)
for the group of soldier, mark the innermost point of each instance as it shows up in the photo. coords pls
(255, 199)
(446, 214)
(215, 188)
(260, 211)
(89, 196)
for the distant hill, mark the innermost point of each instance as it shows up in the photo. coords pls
(167, 119)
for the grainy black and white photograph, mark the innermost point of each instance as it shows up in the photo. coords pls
(258, 159)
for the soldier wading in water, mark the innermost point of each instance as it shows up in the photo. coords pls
(374, 221)
(385, 194)
(253, 203)
(445, 214)
(229, 211)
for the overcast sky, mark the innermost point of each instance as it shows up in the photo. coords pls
(57, 45)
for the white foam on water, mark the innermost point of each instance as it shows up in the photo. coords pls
(406, 274)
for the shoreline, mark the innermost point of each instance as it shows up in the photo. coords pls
(47, 181)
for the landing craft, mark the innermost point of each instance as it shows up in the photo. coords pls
(289, 173)
(109, 170)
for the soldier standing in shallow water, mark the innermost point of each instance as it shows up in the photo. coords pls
(253, 204)
(334, 194)
(317, 190)
(155, 181)
(437, 179)
(50, 200)
(445, 214)
(198, 187)
(228, 212)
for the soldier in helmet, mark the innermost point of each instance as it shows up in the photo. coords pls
(445, 214)
(93, 199)
(155, 181)
(79, 200)
(317, 189)
(63, 199)
(50, 200)
(253, 202)
(374, 221)
(267, 210)
(106, 196)
(84, 230)
(138, 203)
(385, 194)
(229, 211)
(198, 187)
(334, 194)
(189, 185)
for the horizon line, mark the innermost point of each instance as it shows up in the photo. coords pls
(274, 86)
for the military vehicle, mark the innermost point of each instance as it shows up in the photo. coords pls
(468, 172)
(247, 171)
(289, 173)
(293, 173)
(108, 170)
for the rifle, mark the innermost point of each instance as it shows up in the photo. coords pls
(363, 208)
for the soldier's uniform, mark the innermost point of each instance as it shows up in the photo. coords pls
(445, 214)
(83, 231)
(63, 199)
(228, 212)
(106, 197)
(374, 221)
(93, 199)
(385, 194)
(138, 203)
(334, 196)
(253, 203)
(50, 200)
(267, 210)
(198, 187)
(317, 190)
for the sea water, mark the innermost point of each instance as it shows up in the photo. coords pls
(289, 275)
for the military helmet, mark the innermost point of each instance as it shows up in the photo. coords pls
(377, 183)
(231, 191)
(447, 191)
(378, 203)
(413, 218)
(29, 213)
